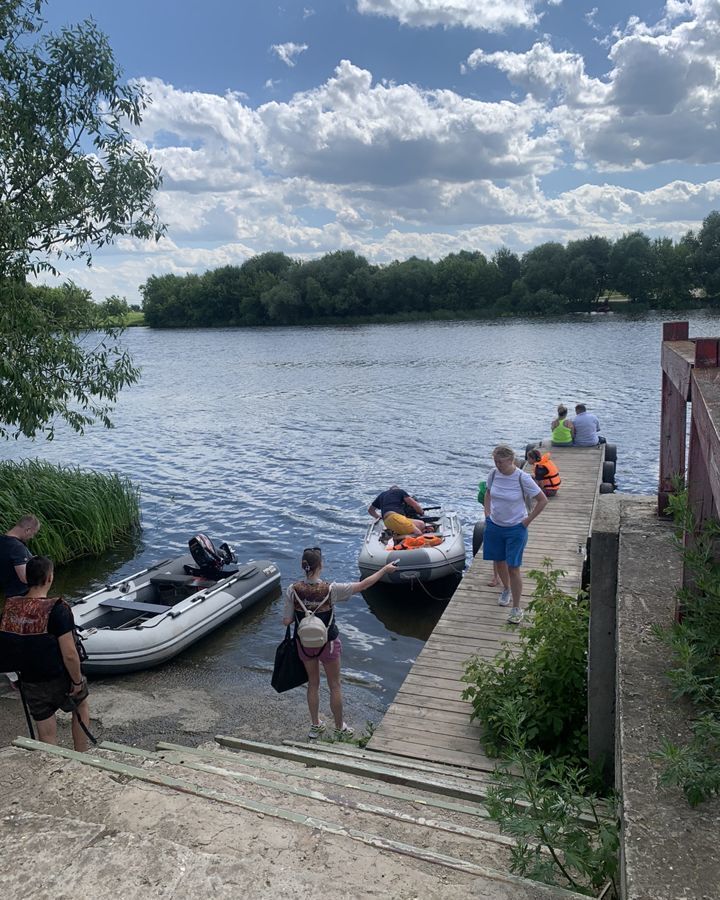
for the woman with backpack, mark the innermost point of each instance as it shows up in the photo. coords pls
(315, 599)
(508, 498)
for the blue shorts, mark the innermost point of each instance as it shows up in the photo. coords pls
(504, 543)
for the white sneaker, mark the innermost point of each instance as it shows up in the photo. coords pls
(345, 732)
(316, 731)
(516, 616)
(504, 598)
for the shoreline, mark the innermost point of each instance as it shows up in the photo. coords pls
(173, 704)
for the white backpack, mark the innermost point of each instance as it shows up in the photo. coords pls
(312, 632)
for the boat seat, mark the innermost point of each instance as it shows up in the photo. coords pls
(174, 580)
(139, 608)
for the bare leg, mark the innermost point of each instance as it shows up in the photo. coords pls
(516, 584)
(495, 580)
(332, 672)
(47, 730)
(80, 740)
(503, 574)
(312, 667)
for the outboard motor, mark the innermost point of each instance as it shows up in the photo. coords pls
(211, 562)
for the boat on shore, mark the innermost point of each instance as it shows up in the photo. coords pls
(442, 553)
(147, 618)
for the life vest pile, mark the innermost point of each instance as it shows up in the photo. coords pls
(417, 542)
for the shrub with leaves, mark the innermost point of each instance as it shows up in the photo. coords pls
(565, 835)
(695, 670)
(544, 672)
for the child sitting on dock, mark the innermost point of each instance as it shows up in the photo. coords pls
(544, 471)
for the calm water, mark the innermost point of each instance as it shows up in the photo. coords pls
(278, 439)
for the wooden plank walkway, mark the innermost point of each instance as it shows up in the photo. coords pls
(429, 719)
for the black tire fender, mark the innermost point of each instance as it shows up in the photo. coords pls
(608, 472)
(611, 453)
(478, 534)
(607, 488)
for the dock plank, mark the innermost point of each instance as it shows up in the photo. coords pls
(428, 718)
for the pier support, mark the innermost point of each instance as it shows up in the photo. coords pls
(604, 544)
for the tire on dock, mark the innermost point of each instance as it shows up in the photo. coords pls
(607, 487)
(611, 453)
(608, 472)
(478, 534)
(531, 446)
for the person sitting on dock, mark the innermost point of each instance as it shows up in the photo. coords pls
(40, 631)
(586, 428)
(563, 430)
(544, 471)
(390, 506)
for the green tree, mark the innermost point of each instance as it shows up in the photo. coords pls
(71, 180)
(706, 259)
(631, 266)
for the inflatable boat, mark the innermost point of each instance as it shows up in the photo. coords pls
(436, 555)
(149, 617)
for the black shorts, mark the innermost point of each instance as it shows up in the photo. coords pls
(45, 698)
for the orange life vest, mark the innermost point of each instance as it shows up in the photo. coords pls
(550, 483)
(413, 543)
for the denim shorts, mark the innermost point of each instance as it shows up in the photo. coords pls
(504, 543)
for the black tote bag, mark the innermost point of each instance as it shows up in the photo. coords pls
(289, 671)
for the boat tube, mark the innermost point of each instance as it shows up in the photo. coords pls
(437, 559)
(151, 616)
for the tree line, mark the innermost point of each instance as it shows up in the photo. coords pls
(550, 279)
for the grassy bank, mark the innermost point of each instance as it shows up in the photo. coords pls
(81, 512)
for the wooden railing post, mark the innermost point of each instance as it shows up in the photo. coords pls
(672, 424)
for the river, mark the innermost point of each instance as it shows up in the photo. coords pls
(277, 439)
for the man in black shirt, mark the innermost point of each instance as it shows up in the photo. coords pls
(391, 505)
(14, 555)
(38, 631)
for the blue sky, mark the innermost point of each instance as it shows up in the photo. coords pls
(401, 127)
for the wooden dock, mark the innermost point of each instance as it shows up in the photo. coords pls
(428, 719)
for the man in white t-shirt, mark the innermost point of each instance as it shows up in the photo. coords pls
(508, 497)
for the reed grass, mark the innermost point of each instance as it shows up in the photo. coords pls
(81, 512)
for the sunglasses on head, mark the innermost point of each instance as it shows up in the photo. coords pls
(308, 549)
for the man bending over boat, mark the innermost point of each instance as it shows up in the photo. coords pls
(390, 506)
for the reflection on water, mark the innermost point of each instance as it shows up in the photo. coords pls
(278, 439)
(410, 611)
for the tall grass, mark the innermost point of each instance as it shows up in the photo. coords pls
(81, 512)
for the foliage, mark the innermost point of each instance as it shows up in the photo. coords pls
(550, 279)
(544, 672)
(695, 672)
(80, 512)
(361, 741)
(59, 360)
(563, 834)
(72, 177)
(71, 180)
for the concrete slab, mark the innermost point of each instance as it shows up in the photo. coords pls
(670, 850)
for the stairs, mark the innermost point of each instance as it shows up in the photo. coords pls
(298, 814)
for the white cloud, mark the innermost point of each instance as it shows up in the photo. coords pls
(289, 52)
(495, 16)
(544, 73)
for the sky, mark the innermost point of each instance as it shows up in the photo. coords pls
(410, 127)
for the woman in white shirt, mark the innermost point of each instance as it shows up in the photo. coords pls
(507, 517)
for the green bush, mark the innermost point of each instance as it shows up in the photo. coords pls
(80, 512)
(545, 672)
(695, 672)
(565, 834)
